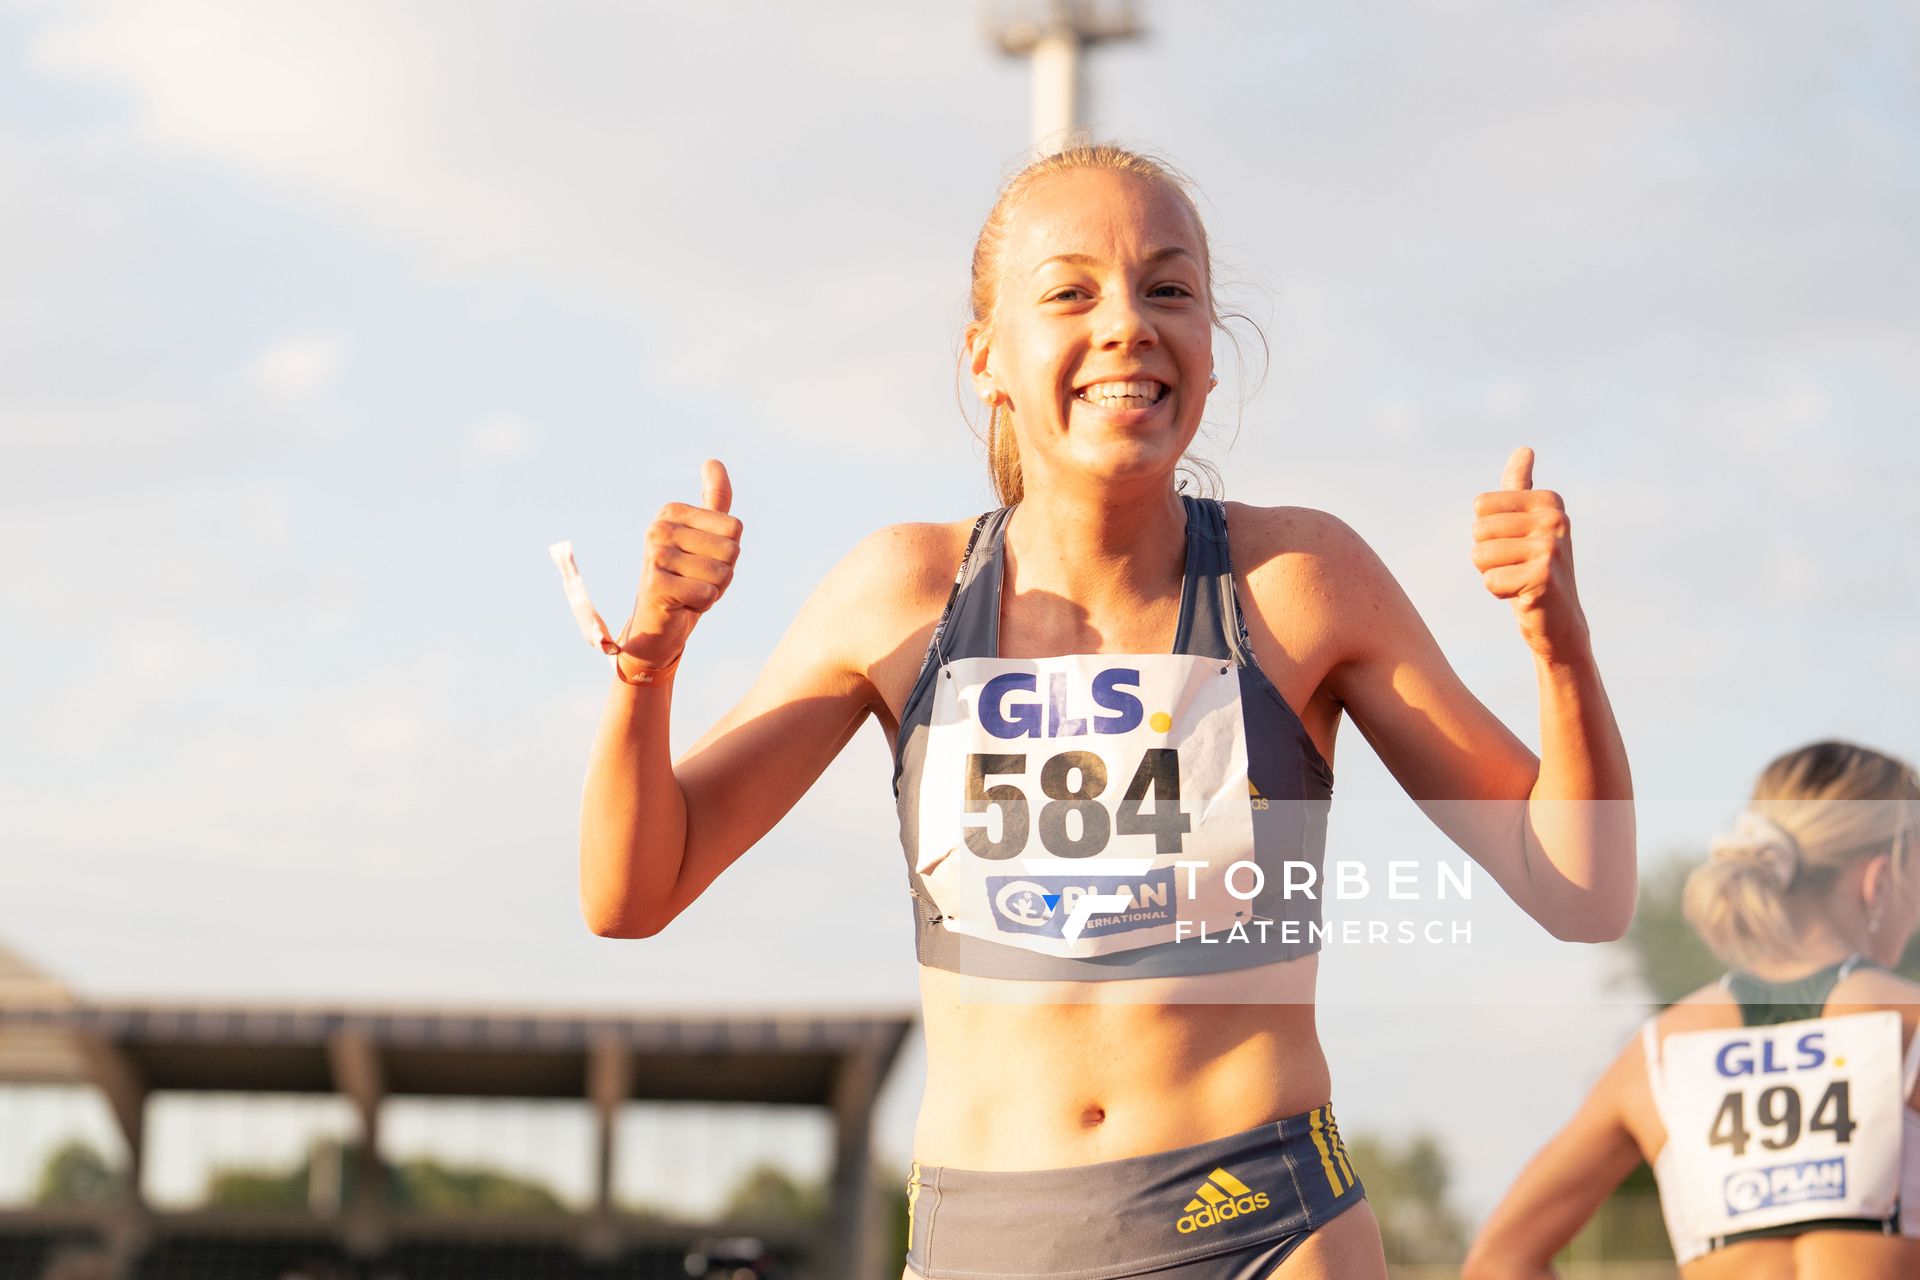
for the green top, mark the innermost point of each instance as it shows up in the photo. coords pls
(1767, 1004)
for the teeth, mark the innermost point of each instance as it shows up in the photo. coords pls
(1123, 395)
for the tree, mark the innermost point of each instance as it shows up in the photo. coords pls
(769, 1192)
(1407, 1187)
(893, 1184)
(1666, 958)
(413, 1184)
(428, 1184)
(75, 1173)
(253, 1188)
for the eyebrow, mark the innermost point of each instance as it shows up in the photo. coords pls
(1087, 260)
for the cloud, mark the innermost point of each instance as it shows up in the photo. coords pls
(768, 257)
(298, 367)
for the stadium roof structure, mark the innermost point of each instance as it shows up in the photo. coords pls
(128, 1050)
(786, 1058)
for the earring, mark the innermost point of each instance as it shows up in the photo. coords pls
(1873, 921)
(1213, 380)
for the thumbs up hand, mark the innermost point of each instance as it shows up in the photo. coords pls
(1523, 548)
(689, 562)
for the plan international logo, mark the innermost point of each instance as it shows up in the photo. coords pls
(1782, 1184)
(1056, 906)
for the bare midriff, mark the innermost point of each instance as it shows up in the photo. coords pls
(1048, 1075)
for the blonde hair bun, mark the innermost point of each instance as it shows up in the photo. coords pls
(1757, 838)
(1813, 812)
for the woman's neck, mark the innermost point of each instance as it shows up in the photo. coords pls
(1088, 542)
(1817, 947)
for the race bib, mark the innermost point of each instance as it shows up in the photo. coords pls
(1776, 1125)
(1087, 804)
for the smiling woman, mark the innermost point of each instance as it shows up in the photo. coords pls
(1103, 713)
(1180, 281)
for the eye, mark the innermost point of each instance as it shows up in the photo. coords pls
(1062, 294)
(1180, 290)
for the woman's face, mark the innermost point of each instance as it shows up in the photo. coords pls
(1101, 285)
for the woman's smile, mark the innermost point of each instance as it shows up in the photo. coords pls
(1124, 398)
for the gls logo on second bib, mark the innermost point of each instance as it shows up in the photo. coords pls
(1768, 1056)
(1004, 715)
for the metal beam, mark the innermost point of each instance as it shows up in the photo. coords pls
(609, 1083)
(1054, 39)
(855, 1089)
(119, 1079)
(354, 1061)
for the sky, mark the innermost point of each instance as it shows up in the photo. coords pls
(318, 323)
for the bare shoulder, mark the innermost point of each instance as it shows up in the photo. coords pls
(1316, 580)
(1699, 1009)
(1870, 990)
(1301, 551)
(1305, 534)
(898, 571)
(886, 596)
(1707, 1008)
(1878, 986)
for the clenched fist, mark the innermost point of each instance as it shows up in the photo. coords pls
(690, 557)
(1523, 548)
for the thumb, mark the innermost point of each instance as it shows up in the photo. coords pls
(1519, 472)
(716, 490)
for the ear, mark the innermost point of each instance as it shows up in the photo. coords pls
(979, 343)
(1876, 883)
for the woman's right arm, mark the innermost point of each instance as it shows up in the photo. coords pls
(655, 833)
(1562, 1187)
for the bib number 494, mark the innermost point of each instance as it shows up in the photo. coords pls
(1779, 1108)
(1072, 783)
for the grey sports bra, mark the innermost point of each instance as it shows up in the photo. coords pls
(1289, 785)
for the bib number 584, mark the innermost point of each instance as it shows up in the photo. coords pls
(1073, 782)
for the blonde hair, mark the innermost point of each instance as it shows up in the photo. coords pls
(1814, 812)
(1003, 452)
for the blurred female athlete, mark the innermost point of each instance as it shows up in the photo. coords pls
(1100, 717)
(1776, 1105)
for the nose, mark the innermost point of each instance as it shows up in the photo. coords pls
(1122, 324)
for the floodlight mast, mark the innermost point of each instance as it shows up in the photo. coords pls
(1053, 34)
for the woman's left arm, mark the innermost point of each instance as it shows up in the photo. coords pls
(1562, 1187)
(1557, 831)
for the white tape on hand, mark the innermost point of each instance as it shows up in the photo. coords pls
(592, 626)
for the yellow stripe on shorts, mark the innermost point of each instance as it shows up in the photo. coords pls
(1339, 1145)
(913, 1194)
(1315, 1119)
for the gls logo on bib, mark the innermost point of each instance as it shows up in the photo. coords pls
(1052, 784)
(1005, 716)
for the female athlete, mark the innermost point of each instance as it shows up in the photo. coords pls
(1095, 727)
(1776, 1105)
